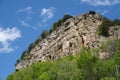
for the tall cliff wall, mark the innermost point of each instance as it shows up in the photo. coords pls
(73, 34)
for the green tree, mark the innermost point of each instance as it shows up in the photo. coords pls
(104, 68)
(31, 46)
(57, 24)
(92, 12)
(103, 29)
(66, 16)
(44, 76)
(44, 34)
(38, 40)
(116, 22)
(25, 55)
(108, 78)
(85, 63)
(10, 77)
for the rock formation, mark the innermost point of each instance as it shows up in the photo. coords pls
(73, 34)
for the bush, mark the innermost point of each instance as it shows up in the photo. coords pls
(108, 78)
(66, 16)
(85, 66)
(25, 55)
(103, 29)
(116, 22)
(31, 46)
(44, 76)
(92, 12)
(86, 62)
(38, 40)
(60, 22)
(111, 46)
(44, 34)
(55, 26)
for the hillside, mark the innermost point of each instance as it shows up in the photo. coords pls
(83, 47)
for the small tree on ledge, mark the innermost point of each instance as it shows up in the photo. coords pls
(92, 12)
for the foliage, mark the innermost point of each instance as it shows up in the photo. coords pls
(60, 22)
(108, 78)
(103, 29)
(44, 34)
(92, 12)
(116, 22)
(44, 76)
(84, 66)
(38, 40)
(111, 46)
(65, 17)
(31, 46)
(25, 55)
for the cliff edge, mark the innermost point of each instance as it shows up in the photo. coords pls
(73, 34)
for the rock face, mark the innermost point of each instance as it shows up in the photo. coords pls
(73, 34)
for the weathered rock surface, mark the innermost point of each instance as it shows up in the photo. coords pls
(75, 33)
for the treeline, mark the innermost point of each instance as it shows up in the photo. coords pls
(84, 66)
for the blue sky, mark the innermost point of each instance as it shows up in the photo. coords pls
(22, 21)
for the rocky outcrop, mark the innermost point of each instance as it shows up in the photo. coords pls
(73, 34)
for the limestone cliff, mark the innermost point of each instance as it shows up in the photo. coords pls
(73, 34)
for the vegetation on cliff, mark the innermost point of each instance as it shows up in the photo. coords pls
(44, 34)
(84, 66)
(60, 22)
(103, 29)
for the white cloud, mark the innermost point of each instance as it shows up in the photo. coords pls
(103, 12)
(47, 13)
(25, 15)
(6, 37)
(101, 2)
(24, 23)
(27, 9)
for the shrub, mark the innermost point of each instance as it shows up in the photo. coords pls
(44, 34)
(25, 55)
(54, 27)
(92, 12)
(10, 77)
(108, 78)
(86, 62)
(103, 29)
(66, 16)
(60, 22)
(31, 46)
(84, 66)
(116, 22)
(111, 46)
(38, 40)
(44, 76)
(117, 55)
